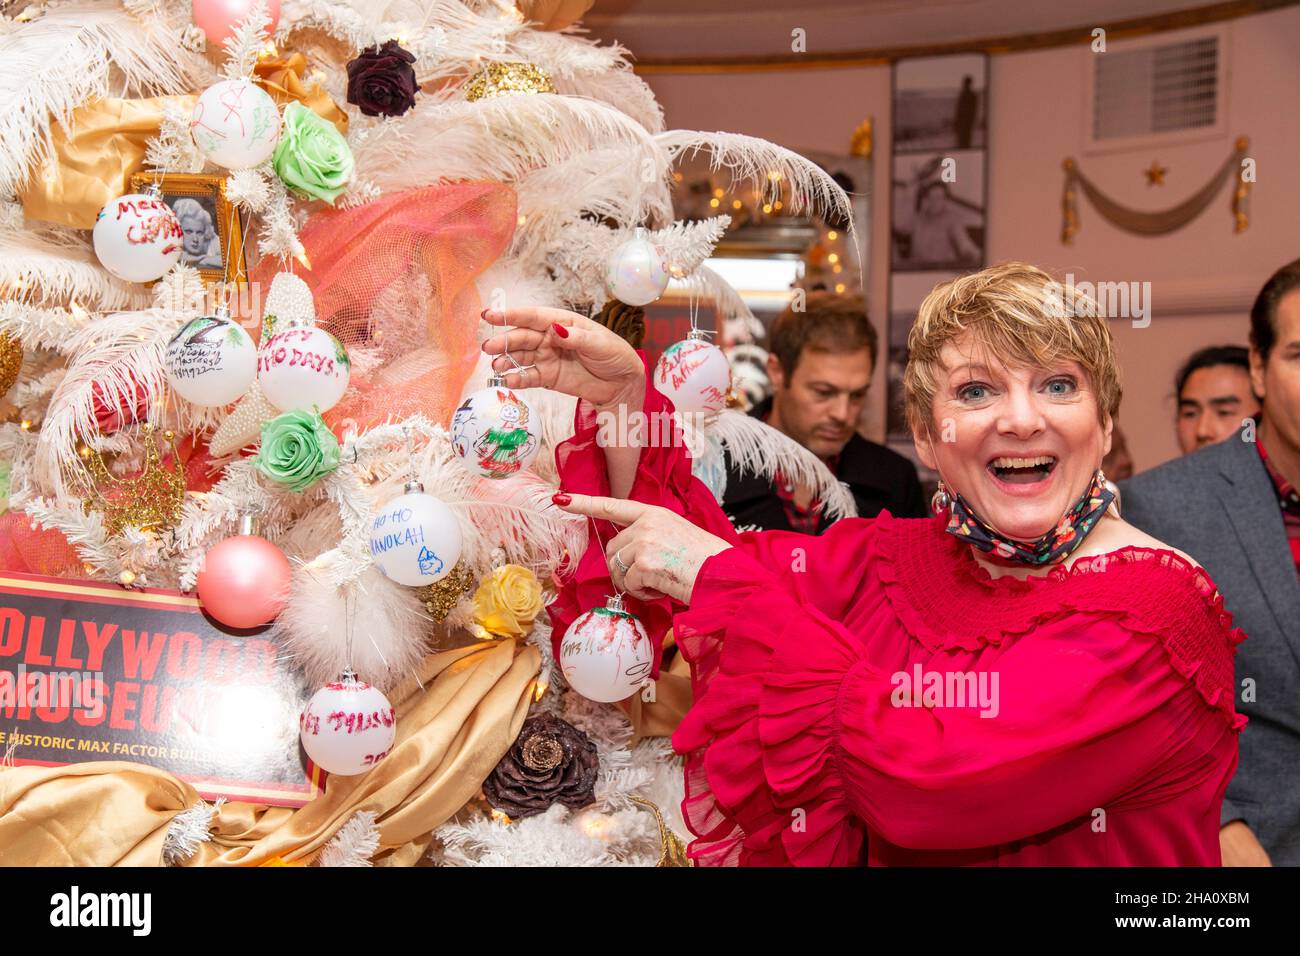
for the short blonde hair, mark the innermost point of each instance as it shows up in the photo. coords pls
(1024, 318)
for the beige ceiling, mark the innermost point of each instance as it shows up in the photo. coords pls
(675, 30)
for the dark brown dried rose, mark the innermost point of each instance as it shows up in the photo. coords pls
(381, 80)
(551, 762)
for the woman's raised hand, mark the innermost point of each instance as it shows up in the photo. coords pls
(567, 353)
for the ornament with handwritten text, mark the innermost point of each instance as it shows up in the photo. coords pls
(347, 727)
(211, 361)
(605, 654)
(137, 237)
(235, 124)
(494, 431)
(303, 367)
(415, 538)
(695, 375)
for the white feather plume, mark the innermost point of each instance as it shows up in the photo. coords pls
(601, 183)
(500, 139)
(730, 304)
(48, 265)
(385, 622)
(757, 448)
(621, 89)
(754, 161)
(66, 57)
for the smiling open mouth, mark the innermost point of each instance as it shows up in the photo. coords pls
(1022, 471)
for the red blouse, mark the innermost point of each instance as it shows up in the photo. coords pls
(874, 696)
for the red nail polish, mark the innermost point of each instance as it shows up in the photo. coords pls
(561, 498)
(560, 330)
(483, 314)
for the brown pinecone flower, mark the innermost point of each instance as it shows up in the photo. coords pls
(551, 762)
(625, 320)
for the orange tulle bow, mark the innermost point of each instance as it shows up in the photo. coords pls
(393, 280)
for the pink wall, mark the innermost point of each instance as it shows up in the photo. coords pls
(1202, 277)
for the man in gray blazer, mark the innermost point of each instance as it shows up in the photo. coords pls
(1234, 507)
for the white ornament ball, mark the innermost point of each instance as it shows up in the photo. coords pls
(235, 124)
(695, 375)
(606, 655)
(347, 727)
(495, 432)
(636, 273)
(211, 361)
(303, 367)
(415, 539)
(137, 237)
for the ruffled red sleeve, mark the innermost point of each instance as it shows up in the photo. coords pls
(663, 478)
(804, 737)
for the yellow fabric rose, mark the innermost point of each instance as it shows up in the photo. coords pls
(507, 602)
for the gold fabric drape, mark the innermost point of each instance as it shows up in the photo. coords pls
(1159, 222)
(450, 735)
(673, 697)
(553, 14)
(93, 158)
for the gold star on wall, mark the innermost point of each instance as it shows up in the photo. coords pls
(1156, 174)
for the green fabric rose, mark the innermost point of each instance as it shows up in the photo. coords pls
(312, 157)
(298, 450)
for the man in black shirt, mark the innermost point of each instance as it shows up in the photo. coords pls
(820, 363)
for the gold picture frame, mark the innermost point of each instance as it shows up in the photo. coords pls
(218, 258)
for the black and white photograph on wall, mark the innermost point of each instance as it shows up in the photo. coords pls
(938, 210)
(941, 103)
(907, 291)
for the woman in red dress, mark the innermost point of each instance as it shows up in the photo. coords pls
(1024, 679)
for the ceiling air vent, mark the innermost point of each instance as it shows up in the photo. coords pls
(1157, 92)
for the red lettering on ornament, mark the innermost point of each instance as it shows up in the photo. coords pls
(359, 722)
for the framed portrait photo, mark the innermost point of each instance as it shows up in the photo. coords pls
(212, 229)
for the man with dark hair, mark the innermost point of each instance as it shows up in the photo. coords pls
(820, 364)
(1234, 507)
(1214, 396)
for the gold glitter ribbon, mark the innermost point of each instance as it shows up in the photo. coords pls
(497, 79)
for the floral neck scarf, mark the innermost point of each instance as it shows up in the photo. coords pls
(1051, 547)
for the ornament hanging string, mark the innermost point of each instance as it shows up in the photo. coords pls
(595, 529)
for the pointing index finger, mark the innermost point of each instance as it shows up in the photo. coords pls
(617, 510)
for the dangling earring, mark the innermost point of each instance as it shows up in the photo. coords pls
(941, 500)
(1112, 488)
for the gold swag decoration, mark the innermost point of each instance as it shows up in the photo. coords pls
(93, 157)
(497, 79)
(1155, 223)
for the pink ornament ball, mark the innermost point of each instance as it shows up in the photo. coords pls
(244, 581)
(219, 18)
